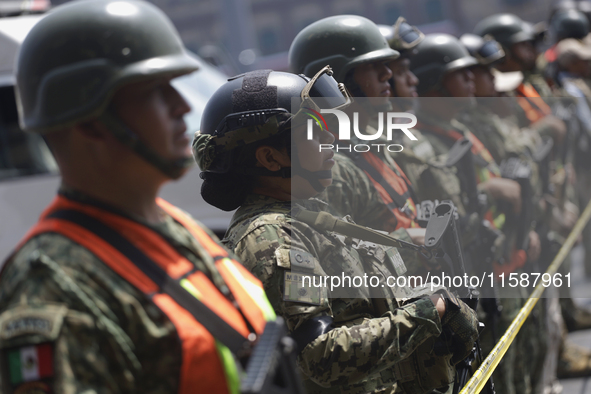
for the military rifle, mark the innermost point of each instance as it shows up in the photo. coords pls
(482, 251)
(520, 172)
(271, 368)
(443, 241)
(567, 112)
(542, 157)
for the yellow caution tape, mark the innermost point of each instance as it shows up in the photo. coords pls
(484, 372)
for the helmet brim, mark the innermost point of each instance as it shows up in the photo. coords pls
(463, 62)
(522, 36)
(113, 79)
(385, 55)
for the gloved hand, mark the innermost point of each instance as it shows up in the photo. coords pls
(462, 321)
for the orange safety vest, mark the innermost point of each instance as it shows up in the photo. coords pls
(393, 188)
(533, 105)
(204, 367)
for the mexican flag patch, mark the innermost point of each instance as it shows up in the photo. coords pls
(30, 363)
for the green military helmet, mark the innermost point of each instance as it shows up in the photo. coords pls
(507, 29)
(343, 42)
(436, 56)
(569, 24)
(402, 36)
(77, 56)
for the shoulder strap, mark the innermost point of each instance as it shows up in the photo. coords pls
(364, 165)
(216, 326)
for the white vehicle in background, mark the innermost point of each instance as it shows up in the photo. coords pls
(29, 177)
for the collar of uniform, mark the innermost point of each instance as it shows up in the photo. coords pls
(81, 197)
(259, 203)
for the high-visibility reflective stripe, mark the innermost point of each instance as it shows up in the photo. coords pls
(255, 292)
(486, 369)
(230, 369)
(228, 360)
(187, 285)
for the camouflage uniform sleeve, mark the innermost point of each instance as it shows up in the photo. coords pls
(367, 346)
(362, 344)
(76, 342)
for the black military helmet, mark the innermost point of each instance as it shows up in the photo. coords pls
(401, 36)
(506, 29)
(77, 56)
(436, 56)
(259, 105)
(584, 6)
(569, 24)
(343, 42)
(486, 50)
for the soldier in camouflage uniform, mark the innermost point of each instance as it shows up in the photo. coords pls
(573, 76)
(76, 313)
(504, 140)
(347, 344)
(443, 65)
(518, 41)
(368, 186)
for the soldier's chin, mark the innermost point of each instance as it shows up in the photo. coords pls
(326, 182)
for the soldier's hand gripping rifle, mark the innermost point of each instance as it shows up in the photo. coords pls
(443, 241)
(442, 233)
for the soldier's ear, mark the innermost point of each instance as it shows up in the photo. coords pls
(272, 158)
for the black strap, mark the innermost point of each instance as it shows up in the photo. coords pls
(216, 326)
(398, 199)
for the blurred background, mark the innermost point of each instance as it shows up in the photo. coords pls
(241, 35)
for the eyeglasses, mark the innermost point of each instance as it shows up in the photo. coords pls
(489, 52)
(328, 92)
(405, 35)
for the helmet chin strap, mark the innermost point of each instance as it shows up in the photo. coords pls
(174, 169)
(313, 177)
